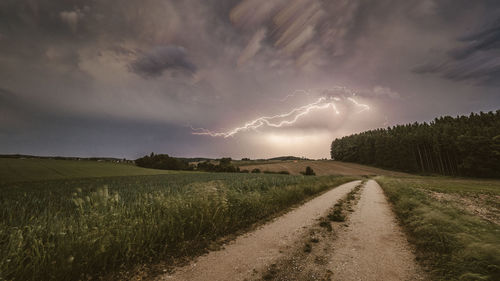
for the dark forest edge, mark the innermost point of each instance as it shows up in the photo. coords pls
(460, 146)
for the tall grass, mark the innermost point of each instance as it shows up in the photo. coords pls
(75, 229)
(452, 243)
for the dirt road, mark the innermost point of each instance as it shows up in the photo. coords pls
(305, 245)
(373, 247)
(249, 254)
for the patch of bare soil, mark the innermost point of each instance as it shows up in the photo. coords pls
(323, 167)
(249, 255)
(373, 247)
(483, 205)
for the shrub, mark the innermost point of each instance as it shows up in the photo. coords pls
(309, 172)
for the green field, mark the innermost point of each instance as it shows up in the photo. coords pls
(452, 222)
(34, 169)
(73, 220)
(73, 229)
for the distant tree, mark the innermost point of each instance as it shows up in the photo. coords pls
(309, 172)
(206, 166)
(162, 162)
(223, 166)
(245, 159)
(224, 162)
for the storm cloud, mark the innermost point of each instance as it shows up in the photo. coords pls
(71, 66)
(161, 59)
(478, 60)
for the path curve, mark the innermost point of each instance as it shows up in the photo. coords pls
(255, 250)
(373, 247)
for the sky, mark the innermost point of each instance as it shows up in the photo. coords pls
(237, 78)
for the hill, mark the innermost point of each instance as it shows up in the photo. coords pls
(286, 158)
(321, 168)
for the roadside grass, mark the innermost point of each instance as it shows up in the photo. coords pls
(462, 186)
(84, 228)
(451, 242)
(22, 170)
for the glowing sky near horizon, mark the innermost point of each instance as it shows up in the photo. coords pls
(238, 78)
(281, 120)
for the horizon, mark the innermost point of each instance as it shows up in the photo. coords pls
(236, 78)
(219, 156)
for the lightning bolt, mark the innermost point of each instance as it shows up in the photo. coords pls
(363, 106)
(281, 120)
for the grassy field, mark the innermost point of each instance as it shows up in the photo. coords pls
(320, 167)
(71, 220)
(15, 170)
(72, 229)
(454, 224)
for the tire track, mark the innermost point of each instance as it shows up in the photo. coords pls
(373, 247)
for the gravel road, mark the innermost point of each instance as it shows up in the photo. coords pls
(370, 245)
(373, 247)
(252, 252)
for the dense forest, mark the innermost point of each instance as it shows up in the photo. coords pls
(461, 146)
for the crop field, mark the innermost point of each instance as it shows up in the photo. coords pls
(453, 223)
(74, 220)
(15, 170)
(321, 167)
(72, 229)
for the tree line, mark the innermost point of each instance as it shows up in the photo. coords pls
(460, 146)
(163, 162)
(224, 166)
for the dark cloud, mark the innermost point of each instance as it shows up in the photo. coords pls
(160, 59)
(68, 66)
(488, 38)
(14, 110)
(478, 60)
